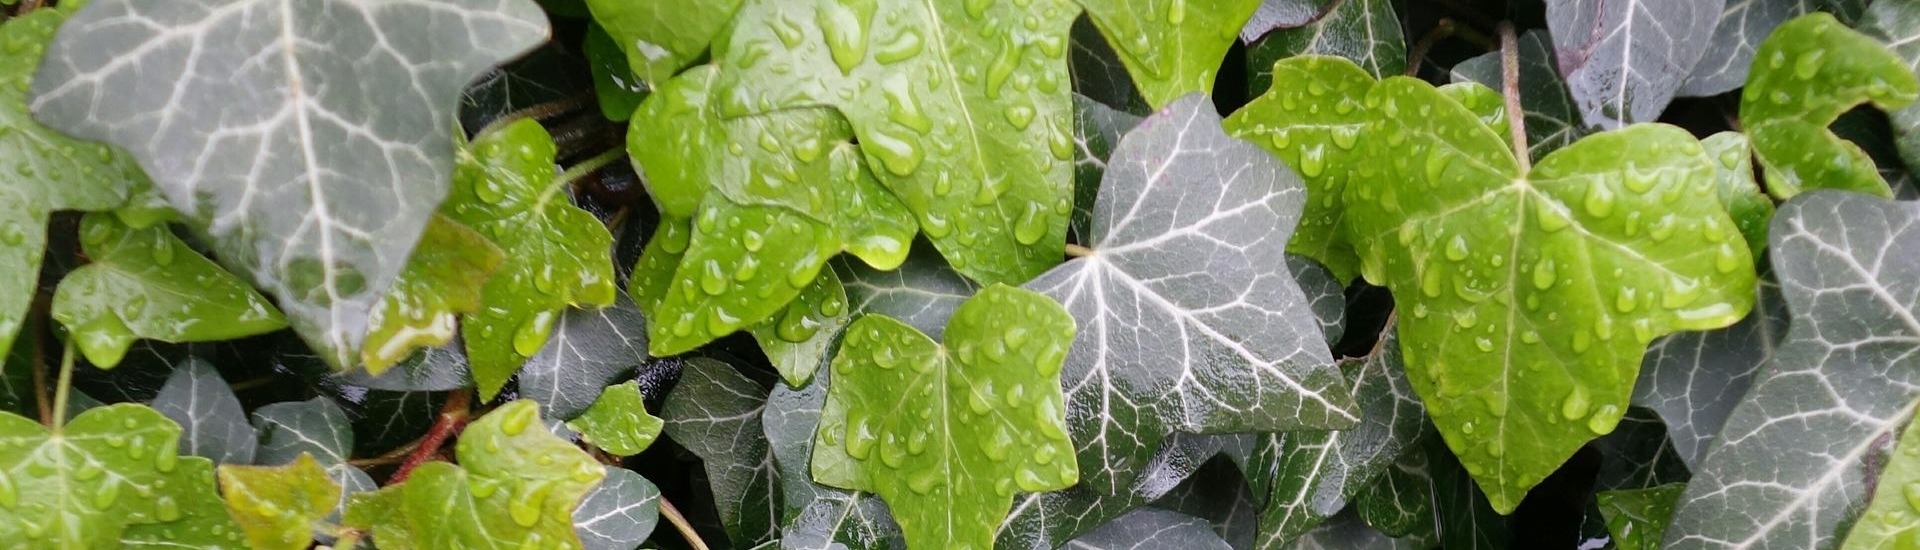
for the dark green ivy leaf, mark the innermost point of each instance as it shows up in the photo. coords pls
(1150, 529)
(1638, 517)
(196, 398)
(714, 412)
(619, 513)
(1897, 24)
(1366, 32)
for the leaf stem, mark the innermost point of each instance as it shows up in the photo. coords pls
(26, 6)
(36, 328)
(453, 416)
(63, 387)
(1510, 89)
(681, 524)
(592, 165)
(1442, 29)
(1078, 251)
(540, 111)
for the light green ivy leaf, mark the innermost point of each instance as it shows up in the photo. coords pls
(614, 84)
(1171, 47)
(1897, 25)
(279, 506)
(973, 133)
(1552, 119)
(147, 283)
(947, 434)
(798, 338)
(660, 38)
(1638, 517)
(1739, 192)
(1805, 75)
(443, 279)
(1892, 519)
(1523, 337)
(556, 255)
(618, 422)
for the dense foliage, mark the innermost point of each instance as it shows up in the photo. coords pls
(872, 274)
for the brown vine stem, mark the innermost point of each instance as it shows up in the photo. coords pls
(1442, 29)
(681, 524)
(453, 417)
(1078, 251)
(1510, 89)
(541, 111)
(27, 6)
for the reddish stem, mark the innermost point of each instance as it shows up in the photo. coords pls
(453, 417)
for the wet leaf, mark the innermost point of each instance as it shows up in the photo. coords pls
(660, 38)
(1786, 470)
(1605, 245)
(714, 412)
(1171, 47)
(1637, 517)
(1366, 32)
(1729, 54)
(619, 513)
(1897, 24)
(102, 479)
(147, 283)
(1552, 120)
(798, 338)
(1625, 59)
(1638, 454)
(1749, 206)
(556, 255)
(998, 416)
(974, 134)
(440, 368)
(1694, 379)
(214, 425)
(923, 293)
(279, 506)
(1042, 521)
(443, 280)
(306, 139)
(1347, 532)
(618, 422)
(590, 348)
(315, 428)
(1148, 528)
(1400, 503)
(1096, 129)
(619, 92)
(818, 517)
(1891, 519)
(516, 487)
(1805, 75)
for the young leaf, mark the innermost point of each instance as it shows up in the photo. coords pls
(442, 280)
(1317, 134)
(516, 487)
(278, 506)
(714, 412)
(1786, 470)
(1891, 520)
(1149, 528)
(1749, 206)
(818, 517)
(1364, 31)
(308, 139)
(1694, 379)
(1552, 120)
(557, 255)
(798, 338)
(590, 348)
(1805, 75)
(619, 513)
(315, 428)
(1172, 49)
(1185, 299)
(1728, 56)
(1897, 24)
(147, 283)
(619, 92)
(196, 398)
(660, 38)
(1624, 59)
(618, 422)
(48, 171)
(974, 134)
(99, 478)
(1637, 517)
(1523, 337)
(946, 434)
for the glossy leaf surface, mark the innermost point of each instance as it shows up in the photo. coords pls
(1892, 519)
(1897, 25)
(210, 418)
(714, 412)
(278, 506)
(589, 349)
(618, 422)
(443, 280)
(1172, 47)
(1625, 59)
(660, 38)
(1805, 75)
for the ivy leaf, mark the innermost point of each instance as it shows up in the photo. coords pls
(619, 513)
(1278, 14)
(818, 517)
(1897, 25)
(1552, 120)
(616, 87)
(1729, 54)
(618, 422)
(590, 348)
(1749, 206)
(1185, 299)
(1318, 135)
(1694, 379)
(1151, 528)
(1619, 253)
(1805, 75)
(948, 466)
(147, 283)
(1637, 517)
(199, 401)
(516, 487)
(661, 38)
(1096, 129)
(714, 412)
(798, 338)
(49, 171)
(1346, 532)
(442, 280)
(74, 487)
(1098, 72)
(1890, 520)
(332, 138)
(1462, 513)
(557, 255)
(1624, 60)
(1366, 32)
(974, 135)
(316, 428)
(442, 368)
(1400, 503)
(1326, 296)
(922, 293)
(1786, 468)
(1308, 476)
(278, 506)
(1171, 49)
(1638, 454)
(1047, 520)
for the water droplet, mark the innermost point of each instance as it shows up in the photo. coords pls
(1020, 116)
(860, 438)
(1551, 219)
(1577, 403)
(1430, 279)
(109, 493)
(1626, 300)
(166, 508)
(1545, 274)
(1313, 160)
(1032, 225)
(525, 510)
(532, 334)
(1603, 421)
(1457, 248)
(1599, 200)
(1437, 162)
(1912, 492)
(845, 26)
(1808, 65)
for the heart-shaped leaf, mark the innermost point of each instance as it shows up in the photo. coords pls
(1625, 59)
(618, 422)
(278, 506)
(714, 412)
(1171, 47)
(1805, 75)
(619, 513)
(589, 349)
(196, 398)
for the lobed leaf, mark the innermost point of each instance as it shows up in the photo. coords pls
(818, 517)
(1366, 32)
(278, 506)
(444, 279)
(1693, 380)
(1805, 75)
(1624, 60)
(1170, 47)
(618, 422)
(589, 349)
(1897, 25)
(1552, 120)
(1728, 56)
(213, 424)
(619, 513)
(714, 412)
(1891, 519)
(1147, 528)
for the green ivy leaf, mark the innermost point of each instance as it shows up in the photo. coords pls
(1347, 532)
(1050, 519)
(1096, 129)
(1805, 75)
(1318, 135)
(1400, 503)
(1171, 48)
(590, 349)
(618, 422)
(96, 481)
(308, 140)
(1552, 120)
(614, 84)
(278, 506)
(798, 338)
(1366, 32)
(1897, 25)
(1148, 528)
(714, 412)
(1892, 519)
(974, 135)
(315, 428)
(516, 487)
(660, 38)
(556, 255)
(215, 427)
(1749, 206)
(1694, 379)
(1637, 517)
(948, 465)
(819, 517)
(443, 279)
(147, 283)
(1593, 258)
(619, 513)
(923, 293)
